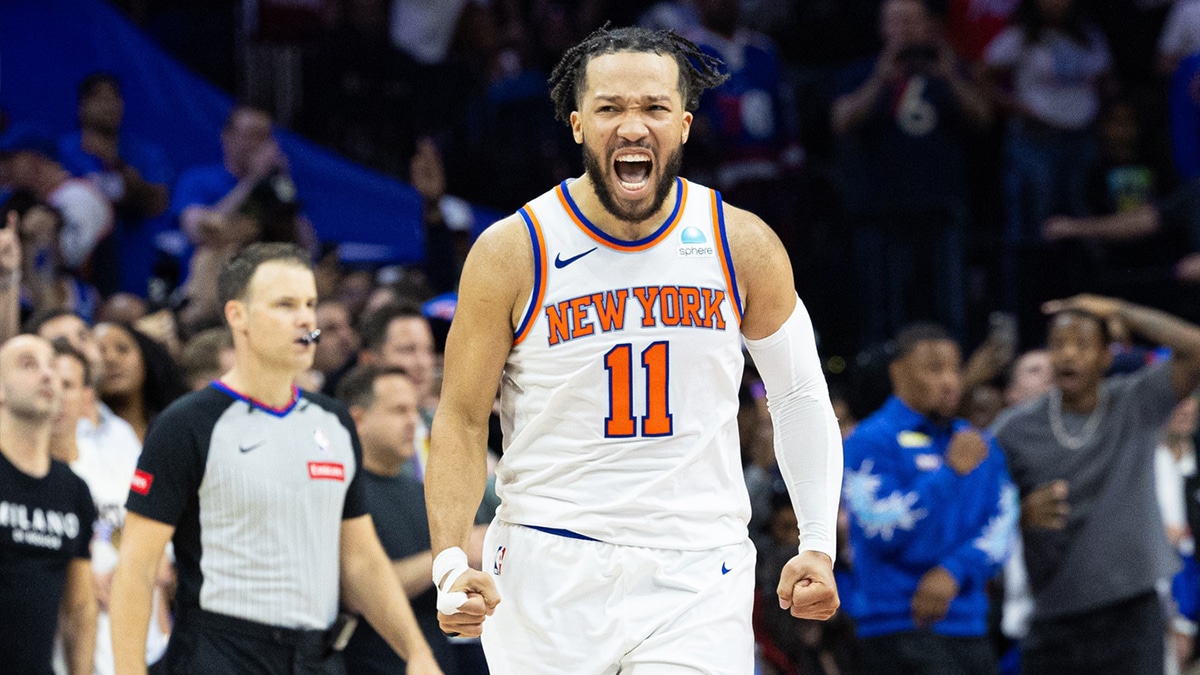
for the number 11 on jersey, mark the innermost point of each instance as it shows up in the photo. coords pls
(620, 422)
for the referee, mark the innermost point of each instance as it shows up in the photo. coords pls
(258, 486)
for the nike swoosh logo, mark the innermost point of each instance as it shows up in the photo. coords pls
(724, 569)
(560, 263)
(248, 448)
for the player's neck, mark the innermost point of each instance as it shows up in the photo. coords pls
(584, 193)
(1081, 402)
(26, 443)
(271, 387)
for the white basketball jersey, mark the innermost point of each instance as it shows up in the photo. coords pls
(619, 398)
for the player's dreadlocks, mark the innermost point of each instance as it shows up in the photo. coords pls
(697, 71)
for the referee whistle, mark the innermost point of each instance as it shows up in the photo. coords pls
(311, 338)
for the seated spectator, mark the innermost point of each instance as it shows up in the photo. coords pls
(130, 172)
(1082, 457)
(249, 197)
(932, 513)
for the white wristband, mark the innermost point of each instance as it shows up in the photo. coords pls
(448, 566)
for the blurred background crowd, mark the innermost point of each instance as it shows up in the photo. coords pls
(952, 161)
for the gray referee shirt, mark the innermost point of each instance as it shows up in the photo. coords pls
(257, 496)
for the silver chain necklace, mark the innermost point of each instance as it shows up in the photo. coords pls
(1089, 426)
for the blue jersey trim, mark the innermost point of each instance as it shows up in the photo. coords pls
(561, 532)
(737, 297)
(277, 412)
(538, 264)
(619, 243)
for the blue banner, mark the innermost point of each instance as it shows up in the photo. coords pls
(48, 46)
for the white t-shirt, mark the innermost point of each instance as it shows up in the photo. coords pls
(1181, 34)
(1169, 476)
(87, 218)
(424, 29)
(108, 455)
(1056, 78)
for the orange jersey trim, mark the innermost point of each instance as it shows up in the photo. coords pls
(538, 242)
(600, 237)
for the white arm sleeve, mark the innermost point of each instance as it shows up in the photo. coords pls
(808, 444)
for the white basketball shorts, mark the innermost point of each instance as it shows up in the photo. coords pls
(589, 608)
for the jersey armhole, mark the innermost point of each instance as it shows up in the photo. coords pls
(538, 244)
(725, 255)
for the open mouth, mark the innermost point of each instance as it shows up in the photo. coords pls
(633, 170)
(1066, 376)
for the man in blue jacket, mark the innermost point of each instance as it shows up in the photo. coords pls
(932, 515)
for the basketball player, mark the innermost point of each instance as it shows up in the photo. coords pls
(611, 311)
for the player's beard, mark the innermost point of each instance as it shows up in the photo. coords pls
(602, 175)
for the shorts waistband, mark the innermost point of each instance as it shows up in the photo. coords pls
(569, 534)
(304, 639)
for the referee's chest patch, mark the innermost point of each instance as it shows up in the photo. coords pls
(326, 471)
(322, 441)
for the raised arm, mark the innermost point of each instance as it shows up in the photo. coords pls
(1181, 337)
(851, 110)
(808, 444)
(10, 277)
(497, 277)
(1133, 224)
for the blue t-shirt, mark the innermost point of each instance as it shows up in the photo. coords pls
(201, 186)
(126, 259)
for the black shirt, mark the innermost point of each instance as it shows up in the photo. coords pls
(397, 506)
(45, 523)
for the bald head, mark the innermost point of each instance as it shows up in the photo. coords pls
(29, 384)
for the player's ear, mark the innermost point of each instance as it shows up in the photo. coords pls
(577, 127)
(687, 127)
(235, 315)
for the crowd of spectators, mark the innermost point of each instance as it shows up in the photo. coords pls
(957, 162)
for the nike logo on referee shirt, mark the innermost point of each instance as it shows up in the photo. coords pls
(248, 448)
(560, 263)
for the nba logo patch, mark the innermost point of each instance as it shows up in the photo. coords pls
(321, 440)
(499, 564)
